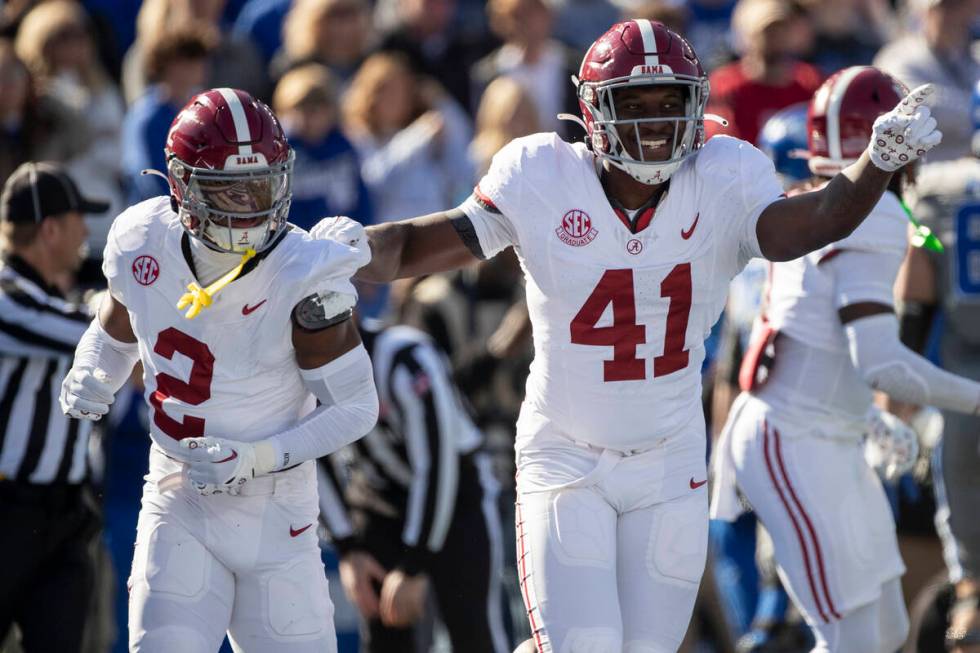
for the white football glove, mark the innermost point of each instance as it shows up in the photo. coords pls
(905, 133)
(891, 446)
(342, 229)
(214, 464)
(207, 489)
(86, 394)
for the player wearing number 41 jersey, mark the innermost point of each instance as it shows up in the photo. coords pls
(628, 242)
(242, 324)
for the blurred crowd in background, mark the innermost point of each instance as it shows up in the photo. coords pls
(394, 109)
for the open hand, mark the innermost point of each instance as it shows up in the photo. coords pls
(905, 133)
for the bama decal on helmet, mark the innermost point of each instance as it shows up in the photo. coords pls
(651, 64)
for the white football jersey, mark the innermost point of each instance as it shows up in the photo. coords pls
(801, 300)
(620, 318)
(231, 372)
(812, 379)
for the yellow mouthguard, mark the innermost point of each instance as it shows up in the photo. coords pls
(199, 298)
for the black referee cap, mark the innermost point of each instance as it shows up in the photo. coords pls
(35, 191)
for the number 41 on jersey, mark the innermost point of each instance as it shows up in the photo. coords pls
(616, 288)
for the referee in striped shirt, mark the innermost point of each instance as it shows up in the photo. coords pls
(419, 509)
(48, 516)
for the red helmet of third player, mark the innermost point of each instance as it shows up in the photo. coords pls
(229, 168)
(842, 113)
(638, 53)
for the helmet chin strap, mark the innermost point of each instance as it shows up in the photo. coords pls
(199, 298)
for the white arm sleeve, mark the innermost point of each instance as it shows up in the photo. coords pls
(98, 350)
(348, 409)
(887, 365)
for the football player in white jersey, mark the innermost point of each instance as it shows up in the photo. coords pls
(628, 243)
(226, 538)
(796, 439)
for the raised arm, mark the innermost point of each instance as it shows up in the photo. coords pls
(433, 243)
(794, 226)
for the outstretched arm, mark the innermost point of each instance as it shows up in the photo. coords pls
(433, 243)
(792, 227)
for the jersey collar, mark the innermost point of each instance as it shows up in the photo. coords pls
(643, 216)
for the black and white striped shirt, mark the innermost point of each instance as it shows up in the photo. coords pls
(39, 330)
(408, 465)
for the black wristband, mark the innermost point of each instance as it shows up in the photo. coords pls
(915, 323)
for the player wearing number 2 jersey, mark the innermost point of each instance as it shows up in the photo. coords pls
(225, 540)
(628, 243)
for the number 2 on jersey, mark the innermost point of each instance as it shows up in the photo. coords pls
(616, 288)
(195, 391)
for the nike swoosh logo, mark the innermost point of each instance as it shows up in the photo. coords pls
(687, 233)
(234, 454)
(696, 484)
(246, 309)
(293, 532)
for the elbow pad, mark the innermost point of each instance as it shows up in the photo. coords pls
(348, 409)
(887, 365)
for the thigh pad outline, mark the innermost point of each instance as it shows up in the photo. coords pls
(579, 538)
(299, 601)
(177, 564)
(678, 544)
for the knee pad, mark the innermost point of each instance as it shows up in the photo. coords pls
(299, 600)
(170, 638)
(592, 640)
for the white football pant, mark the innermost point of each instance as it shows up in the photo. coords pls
(249, 565)
(610, 560)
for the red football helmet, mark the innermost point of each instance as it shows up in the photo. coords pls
(230, 169)
(842, 113)
(637, 53)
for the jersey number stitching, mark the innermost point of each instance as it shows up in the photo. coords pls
(194, 392)
(616, 288)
